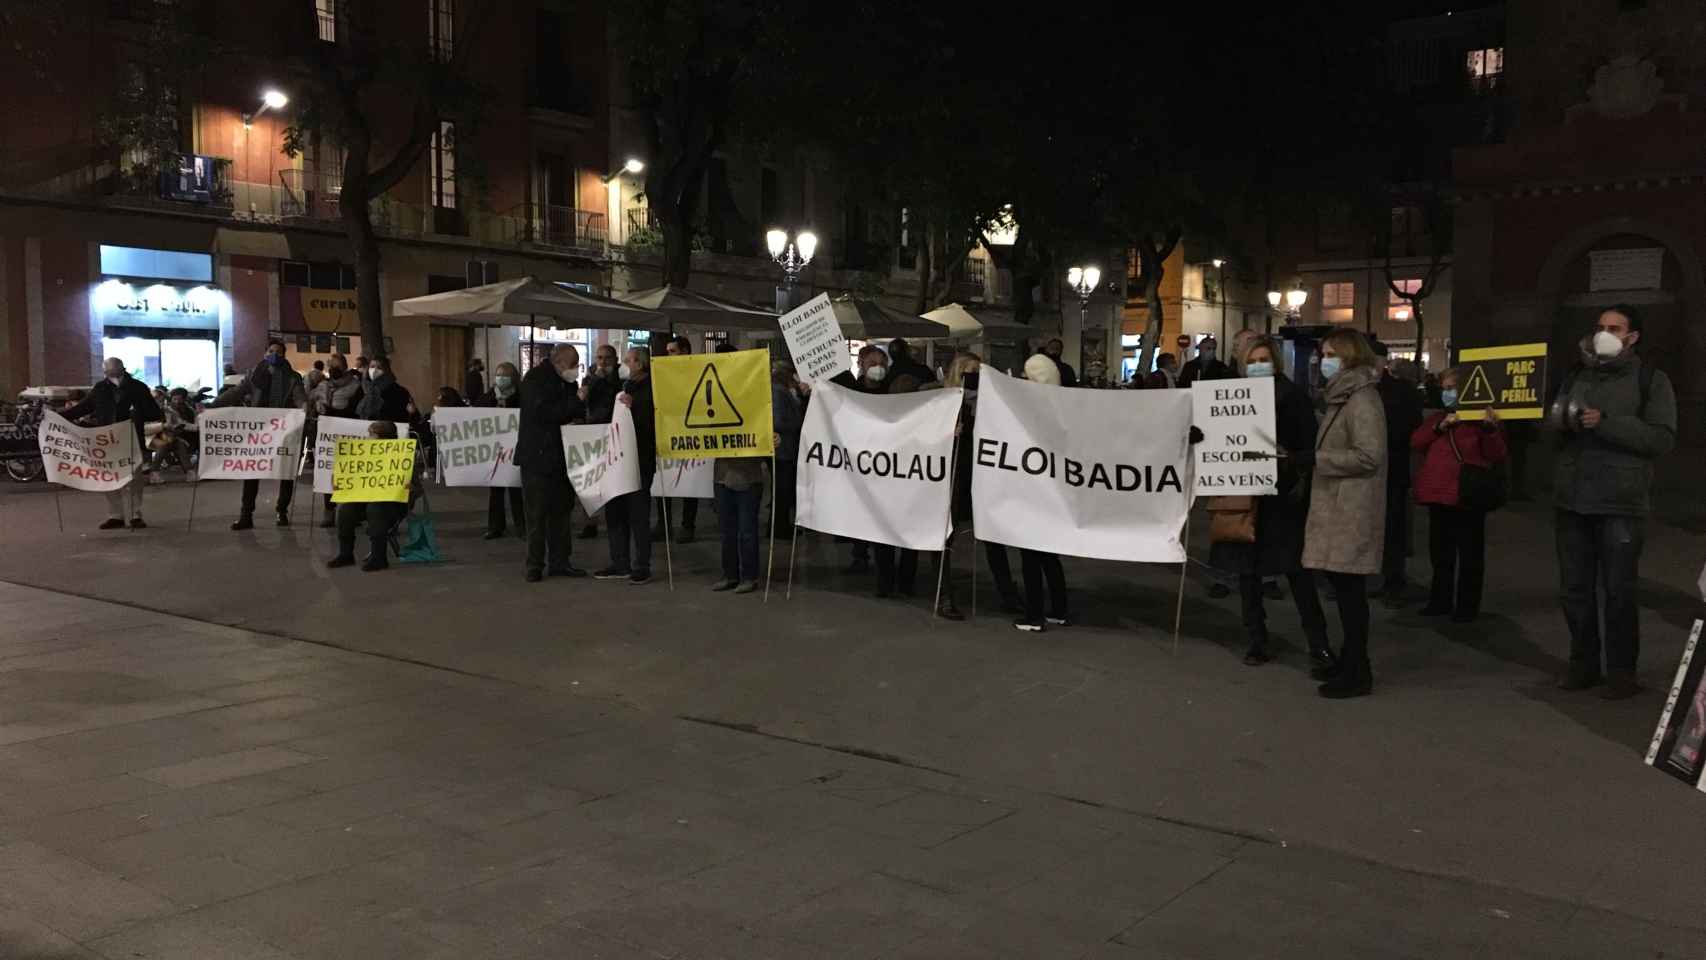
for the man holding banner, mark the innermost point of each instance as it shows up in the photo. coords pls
(549, 401)
(117, 398)
(627, 519)
(274, 385)
(504, 395)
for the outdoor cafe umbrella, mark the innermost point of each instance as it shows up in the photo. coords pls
(691, 308)
(969, 326)
(862, 318)
(521, 302)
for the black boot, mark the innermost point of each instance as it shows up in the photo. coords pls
(244, 522)
(1257, 654)
(1322, 664)
(1353, 680)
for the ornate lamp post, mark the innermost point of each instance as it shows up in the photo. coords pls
(792, 254)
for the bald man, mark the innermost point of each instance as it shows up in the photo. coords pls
(549, 399)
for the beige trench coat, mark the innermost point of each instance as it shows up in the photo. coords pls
(1346, 531)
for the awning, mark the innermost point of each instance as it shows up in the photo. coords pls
(969, 326)
(686, 307)
(528, 301)
(251, 243)
(862, 318)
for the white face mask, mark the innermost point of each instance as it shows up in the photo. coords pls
(116, 377)
(373, 373)
(623, 372)
(876, 374)
(571, 374)
(1607, 344)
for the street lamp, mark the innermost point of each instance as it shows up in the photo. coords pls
(1083, 281)
(631, 165)
(791, 254)
(270, 100)
(1220, 284)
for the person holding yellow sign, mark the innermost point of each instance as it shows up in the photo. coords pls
(371, 481)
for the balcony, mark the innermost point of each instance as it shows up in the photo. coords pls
(185, 181)
(559, 228)
(313, 196)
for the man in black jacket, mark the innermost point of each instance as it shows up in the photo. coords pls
(273, 383)
(549, 400)
(1205, 366)
(1403, 403)
(677, 347)
(903, 364)
(119, 396)
(598, 391)
(1054, 350)
(628, 517)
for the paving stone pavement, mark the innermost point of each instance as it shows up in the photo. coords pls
(176, 789)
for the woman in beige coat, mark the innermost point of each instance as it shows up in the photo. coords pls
(1347, 508)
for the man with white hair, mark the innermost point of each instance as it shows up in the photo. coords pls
(119, 396)
(549, 399)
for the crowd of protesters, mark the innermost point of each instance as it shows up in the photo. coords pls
(1360, 442)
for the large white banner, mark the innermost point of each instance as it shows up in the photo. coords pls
(327, 432)
(476, 446)
(683, 478)
(1087, 473)
(814, 340)
(250, 443)
(101, 459)
(1237, 453)
(878, 468)
(603, 459)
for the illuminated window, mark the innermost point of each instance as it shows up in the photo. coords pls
(444, 166)
(1485, 66)
(1408, 286)
(326, 14)
(441, 28)
(1338, 295)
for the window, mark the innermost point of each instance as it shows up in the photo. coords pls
(1338, 295)
(444, 166)
(441, 28)
(1408, 286)
(326, 13)
(1485, 66)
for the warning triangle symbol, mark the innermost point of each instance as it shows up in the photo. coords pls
(1477, 392)
(709, 405)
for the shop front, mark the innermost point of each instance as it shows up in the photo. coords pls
(159, 312)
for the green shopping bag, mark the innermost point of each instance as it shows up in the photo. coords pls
(419, 543)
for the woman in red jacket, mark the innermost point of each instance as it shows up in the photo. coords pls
(1457, 535)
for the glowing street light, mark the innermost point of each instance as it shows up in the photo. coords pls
(271, 99)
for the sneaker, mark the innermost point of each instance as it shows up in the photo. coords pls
(643, 577)
(493, 535)
(1028, 626)
(569, 571)
(747, 586)
(244, 522)
(372, 564)
(136, 523)
(1219, 591)
(343, 560)
(113, 524)
(722, 585)
(283, 520)
(1619, 686)
(610, 573)
(1054, 621)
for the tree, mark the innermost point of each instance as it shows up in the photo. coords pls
(347, 92)
(1421, 219)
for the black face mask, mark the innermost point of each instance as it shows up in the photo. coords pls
(969, 381)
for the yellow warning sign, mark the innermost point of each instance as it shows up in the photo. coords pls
(713, 405)
(1510, 379)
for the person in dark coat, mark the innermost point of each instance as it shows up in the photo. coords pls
(382, 517)
(903, 364)
(1403, 405)
(1457, 534)
(1278, 549)
(873, 378)
(788, 413)
(474, 381)
(339, 395)
(275, 385)
(384, 398)
(506, 395)
(119, 397)
(549, 400)
(627, 519)
(1054, 349)
(677, 347)
(1206, 366)
(965, 373)
(599, 391)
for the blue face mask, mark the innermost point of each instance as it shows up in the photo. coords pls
(1448, 397)
(1330, 367)
(1261, 368)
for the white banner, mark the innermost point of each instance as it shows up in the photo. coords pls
(603, 459)
(878, 467)
(101, 459)
(1238, 452)
(1087, 473)
(814, 340)
(683, 478)
(476, 446)
(250, 443)
(327, 432)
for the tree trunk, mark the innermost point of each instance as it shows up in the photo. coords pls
(677, 251)
(1153, 271)
(364, 243)
(922, 264)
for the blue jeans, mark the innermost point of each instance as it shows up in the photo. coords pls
(737, 517)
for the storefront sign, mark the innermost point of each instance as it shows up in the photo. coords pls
(315, 310)
(119, 304)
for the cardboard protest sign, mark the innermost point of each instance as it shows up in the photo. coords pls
(372, 471)
(101, 459)
(603, 459)
(683, 478)
(1087, 473)
(814, 340)
(1679, 744)
(328, 431)
(878, 468)
(1511, 380)
(713, 405)
(250, 443)
(476, 446)
(1238, 452)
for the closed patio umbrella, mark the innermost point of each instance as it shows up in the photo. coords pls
(686, 307)
(862, 318)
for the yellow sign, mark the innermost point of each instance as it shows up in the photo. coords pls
(329, 311)
(1511, 380)
(713, 405)
(372, 471)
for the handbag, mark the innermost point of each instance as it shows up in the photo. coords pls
(1231, 519)
(1478, 487)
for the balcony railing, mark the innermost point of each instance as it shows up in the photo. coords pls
(562, 228)
(179, 178)
(313, 195)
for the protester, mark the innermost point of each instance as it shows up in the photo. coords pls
(1053, 350)
(1165, 376)
(448, 397)
(505, 394)
(1457, 531)
(1614, 415)
(118, 397)
(361, 365)
(1278, 548)
(627, 517)
(1205, 366)
(739, 488)
(172, 443)
(903, 364)
(548, 401)
(383, 398)
(897, 567)
(599, 391)
(1242, 341)
(872, 378)
(1096, 375)
(1347, 506)
(382, 517)
(474, 380)
(1403, 407)
(788, 413)
(339, 395)
(273, 385)
(677, 347)
(1039, 566)
(316, 376)
(965, 373)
